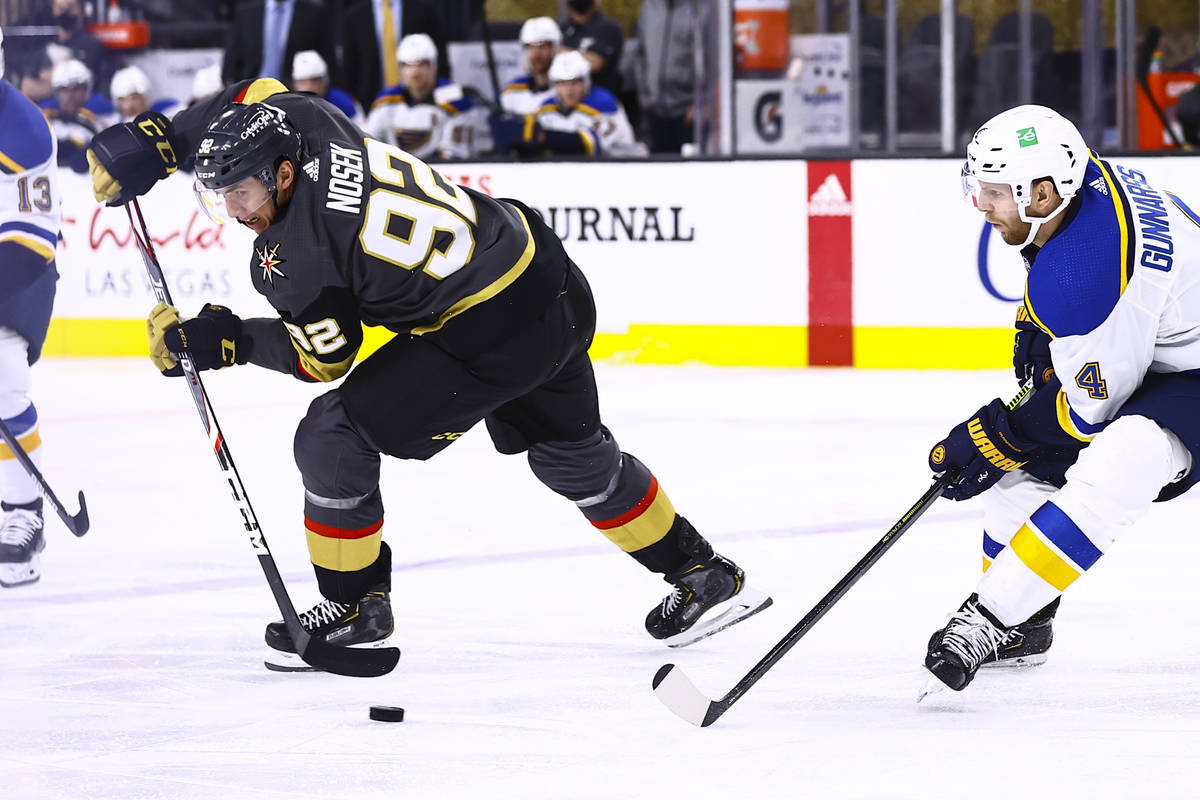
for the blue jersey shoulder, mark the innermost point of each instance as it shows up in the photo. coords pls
(25, 138)
(518, 83)
(342, 100)
(1080, 273)
(601, 100)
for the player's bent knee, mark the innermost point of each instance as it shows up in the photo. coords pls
(577, 470)
(1127, 464)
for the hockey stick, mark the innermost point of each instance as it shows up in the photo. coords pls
(678, 693)
(1145, 55)
(77, 524)
(360, 663)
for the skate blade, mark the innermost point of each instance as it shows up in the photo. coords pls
(280, 661)
(932, 686)
(745, 603)
(20, 573)
(1033, 660)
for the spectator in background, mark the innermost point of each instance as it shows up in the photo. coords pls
(310, 73)
(267, 34)
(81, 44)
(73, 125)
(33, 77)
(131, 94)
(372, 30)
(580, 119)
(206, 83)
(426, 115)
(599, 38)
(540, 38)
(666, 76)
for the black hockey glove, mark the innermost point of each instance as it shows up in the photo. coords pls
(129, 158)
(984, 448)
(1031, 354)
(211, 338)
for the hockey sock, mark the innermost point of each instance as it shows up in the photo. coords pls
(16, 485)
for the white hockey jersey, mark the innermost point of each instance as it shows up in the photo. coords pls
(522, 96)
(598, 119)
(440, 126)
(1118, 287)
(29, 198)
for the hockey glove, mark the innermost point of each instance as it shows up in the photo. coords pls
(211, 338)
(1031, 354)
(984, 448)
(129, 158)
(514, 132)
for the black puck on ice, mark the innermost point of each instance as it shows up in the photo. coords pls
(387, 713)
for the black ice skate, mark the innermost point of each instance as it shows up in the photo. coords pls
(971, 636)
(367, 623)
(21, 542)
(710, 595)
(1028, 642)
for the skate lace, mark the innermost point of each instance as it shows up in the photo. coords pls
(672, 601)
(323, 613)
(20, 526)
(971, 636)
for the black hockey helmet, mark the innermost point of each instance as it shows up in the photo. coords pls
(246, 139)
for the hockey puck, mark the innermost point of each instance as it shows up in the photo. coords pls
(387, 713)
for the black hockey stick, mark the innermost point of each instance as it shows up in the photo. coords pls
(678, 693)
(360, 663)
(1145, 55)
(487, 49)
(77, 524)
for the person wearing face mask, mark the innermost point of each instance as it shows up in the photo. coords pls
(599, 38)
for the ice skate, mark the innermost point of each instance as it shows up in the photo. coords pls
(367, 623)
(710, 595)
(21, 542)
(1027, 643)
(971, 636)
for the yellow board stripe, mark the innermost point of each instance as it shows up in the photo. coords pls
(39, 246)
(716, 345)
(29, 441)
(343, 555)
(1043, 561)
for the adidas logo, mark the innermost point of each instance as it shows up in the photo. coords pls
(313, 169)
(1100, 186)
(829, 200)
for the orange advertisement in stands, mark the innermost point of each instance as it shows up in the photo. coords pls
(760, 35)
(122, 35)
(1166, 88)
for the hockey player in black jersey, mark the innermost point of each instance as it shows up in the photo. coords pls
(492, 322)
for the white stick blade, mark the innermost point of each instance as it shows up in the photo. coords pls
(678, 693)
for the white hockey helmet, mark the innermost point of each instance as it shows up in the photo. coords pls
(72, 72)
(207, 82)
(540, 29)
(307, 65)
(1023, 145)
(569, 65)
(127, 81)
(417, 47)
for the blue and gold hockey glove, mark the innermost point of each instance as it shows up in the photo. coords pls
(984, 447)
(211, 338)
(514, 132)
(127, 159)
(1031, 354)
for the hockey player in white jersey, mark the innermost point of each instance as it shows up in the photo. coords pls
(73, 123)
(428, 116)
(29, 219)
(1113, 295)
(580, 119)
(132, 94)
(540, 38)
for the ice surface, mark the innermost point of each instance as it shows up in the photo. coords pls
(133, 669)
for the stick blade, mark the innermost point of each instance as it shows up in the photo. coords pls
(353, 662)
(79, 523)
(678, 693)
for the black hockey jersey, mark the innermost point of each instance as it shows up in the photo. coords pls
(372, 235)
